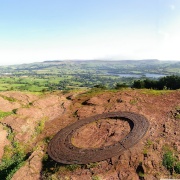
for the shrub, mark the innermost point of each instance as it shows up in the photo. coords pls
(121, 85)
(140, 171)
(100, 86)
(169, 160)
(177, 167)
(14, 111)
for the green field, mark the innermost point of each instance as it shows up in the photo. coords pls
(64, 75)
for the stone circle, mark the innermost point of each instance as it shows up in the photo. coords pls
(62, 150)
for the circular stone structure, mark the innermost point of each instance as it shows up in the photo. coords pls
(62, 150)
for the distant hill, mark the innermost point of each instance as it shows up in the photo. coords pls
(52, 61)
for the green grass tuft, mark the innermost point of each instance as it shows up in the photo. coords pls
(95, 177)
(4, 114)
(155, 92)
(13, 158)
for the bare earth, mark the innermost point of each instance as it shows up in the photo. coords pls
(100, 133)
(59, 110)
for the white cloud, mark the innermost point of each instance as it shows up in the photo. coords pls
(110, 45)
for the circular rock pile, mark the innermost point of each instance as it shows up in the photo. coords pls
(62, 150)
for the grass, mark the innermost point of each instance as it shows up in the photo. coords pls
(72, 167)
(96, 91)
(40, 126)
(141, 175)
(140, 170)
(177, 114)
(13, 158)
(24, 83)
(75, 74)
(147, 147)
(177, 167)
(145, 152)
(133, 101)
(92, 165)
(52, 168)
(155, 92)
(49, 167)
(148, 143)
(10, 99)
(4, 87)
(95, 177)
(92, 92)
(170, 160)
(5, 114)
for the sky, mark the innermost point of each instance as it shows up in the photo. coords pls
(38, 30)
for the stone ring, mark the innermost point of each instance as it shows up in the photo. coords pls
(62, 150)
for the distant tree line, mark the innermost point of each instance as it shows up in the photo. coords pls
(167, 82)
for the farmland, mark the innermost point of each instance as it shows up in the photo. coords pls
(65, 75)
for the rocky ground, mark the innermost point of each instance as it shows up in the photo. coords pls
(36, 118)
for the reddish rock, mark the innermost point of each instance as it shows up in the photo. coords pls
(101, 133)
(62, 111)
(21, 97)
(3, 140)
(31, 169)
(7, 106)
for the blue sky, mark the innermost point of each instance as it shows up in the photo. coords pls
(39, 30)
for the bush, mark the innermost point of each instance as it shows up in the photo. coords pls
(100, 86)
(120, 86)
(138, 84)
(14, 111)
(169, 160)
(177, 167)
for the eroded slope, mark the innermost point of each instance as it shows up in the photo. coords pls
(58, 110)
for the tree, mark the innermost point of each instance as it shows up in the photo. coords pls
(138, 84)
(100, 86)
(121, 85)
(167, 82)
